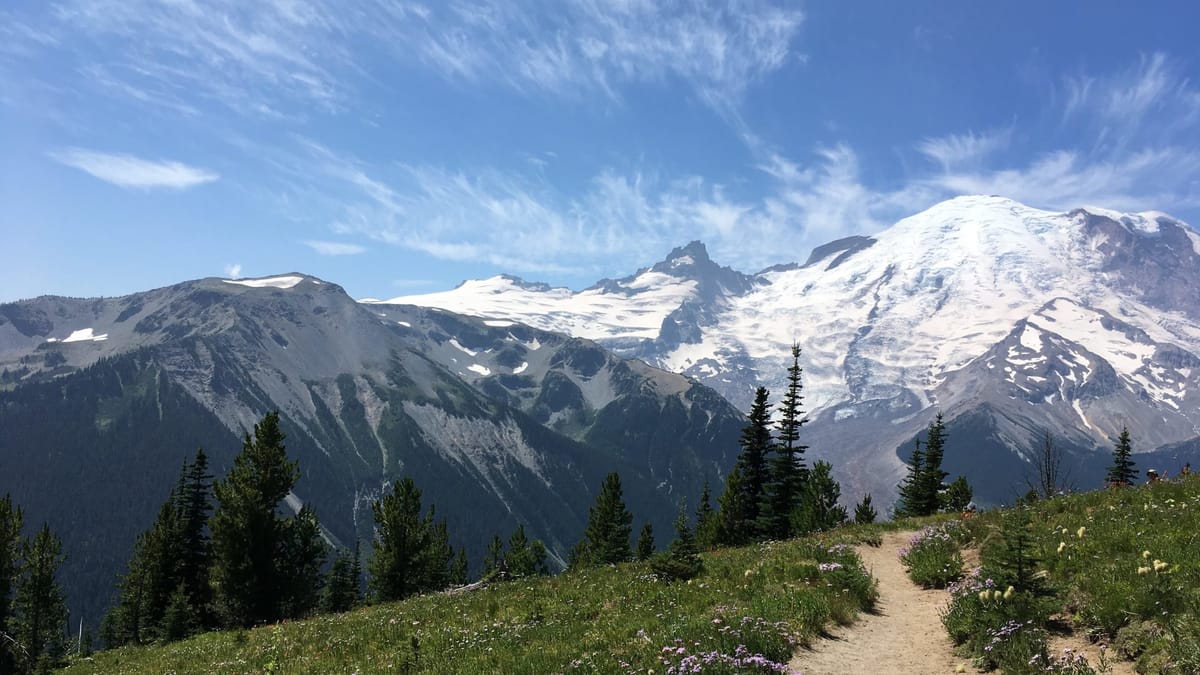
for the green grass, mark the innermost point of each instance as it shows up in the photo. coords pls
(1122, 565)
(757, 600)
(933, 557)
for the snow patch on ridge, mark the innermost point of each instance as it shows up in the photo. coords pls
(272, 282)
(82, 335)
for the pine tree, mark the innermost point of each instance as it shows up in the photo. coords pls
(262, 561)
(932, 476)
(787, 474)
(152, 578)
(864, 511)
(1122, 472)
(40, 612)
(10, 568)
(734, 526)
(706, 520)
(819, 510)
(755, 443)
(356, 573)
(681, 560)
(412, 553)
(520, 558)
(909, 501)
(606, 539)
(645, 542)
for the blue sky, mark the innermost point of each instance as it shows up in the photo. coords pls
(398, 148)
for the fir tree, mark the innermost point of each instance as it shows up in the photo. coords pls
(755, 443)
(787, 474)
(179, 618)
(458, 571)
(606, 539)
(1122, 472)
(194, 507)
(819, 510)
(40, 612)
(10, 568)
(910, 499)
(959, 495)
(645, 542)
(493, 562)
(520, 558)
(681, 560)
(153, 577)
(262, 562)
(932, 476)
(412, 553)
(706, 520)
(864, 511)
(341, 591)
(734, 526)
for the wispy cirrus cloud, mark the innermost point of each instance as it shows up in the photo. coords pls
(1137, 153)
(334, 248)
(134, 172)
(270, 58)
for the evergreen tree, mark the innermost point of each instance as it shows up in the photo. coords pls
(493, 562)
(10, 568)
(261, 561)
(40, 612)
(706, 520)
(356, 573)
(520, 558)
(755, 443)
(785, 486)
(932, 476)
(1014, 560)
(412, 554)
(179, 618)
(819, 510)
(909, 501)
(1122, 472)
(681, 560)
(152, 579)
(194, 505)
(959, 495)
(341, 592)
(458, 571)
(734, 526)
(606, 539)
(645, 542)
(864, 511)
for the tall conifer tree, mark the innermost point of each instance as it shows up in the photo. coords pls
(932, 475)
(10, 567)
(40, 611)
(412, 553)
(910, 499)
(1122, 471)
(787, 470)
(606, 539)
(755, 443)
(262, 560)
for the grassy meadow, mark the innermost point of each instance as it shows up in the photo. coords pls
(746, 612)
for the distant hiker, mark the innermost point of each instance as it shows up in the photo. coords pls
(1186, 470)
(1151, 476)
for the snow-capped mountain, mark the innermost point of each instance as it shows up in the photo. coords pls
(498, 423)
(980, 307)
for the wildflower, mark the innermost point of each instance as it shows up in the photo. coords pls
(1160, 565)
(1061, 545)
(748, 573)
(1145, 555)
(1143, 570)
(996, 595)
(984, 596)
(1081, 531)
(1009, 592)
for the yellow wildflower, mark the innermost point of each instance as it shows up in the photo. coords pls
(984, 596)
(1143, 570)
(1145, 555)
(1081, 531)
(1009, 592)
(996, 594)
(1061, 545)
(1160, 565)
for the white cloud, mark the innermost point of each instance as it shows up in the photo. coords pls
(233, 271)
(133, 172)
(334, 247)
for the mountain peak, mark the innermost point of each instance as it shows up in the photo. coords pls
(694, 252)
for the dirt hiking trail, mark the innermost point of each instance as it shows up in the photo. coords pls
(902, 636)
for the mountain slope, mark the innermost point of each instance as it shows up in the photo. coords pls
(1078, 322)
(498, 424)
